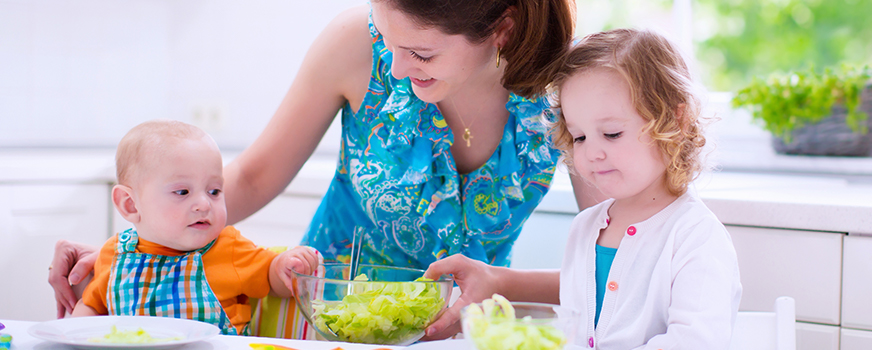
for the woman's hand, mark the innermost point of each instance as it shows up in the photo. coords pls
(71, 263)
(477, 281)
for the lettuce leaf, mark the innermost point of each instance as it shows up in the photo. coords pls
(380, 313)
(138, 336)
(493, 326)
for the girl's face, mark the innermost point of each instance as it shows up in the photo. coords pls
(609, 149)
(437, 64)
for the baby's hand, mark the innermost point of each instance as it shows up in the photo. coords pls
(304, 260)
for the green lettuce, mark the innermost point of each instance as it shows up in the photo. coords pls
(493, 326)
(138, 336)
(380, 313)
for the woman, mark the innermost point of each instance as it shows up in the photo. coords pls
(443, 150)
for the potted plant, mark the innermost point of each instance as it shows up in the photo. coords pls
(814, 113)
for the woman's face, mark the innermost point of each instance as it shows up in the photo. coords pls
(437, 64)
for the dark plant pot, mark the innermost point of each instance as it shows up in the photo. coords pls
(831, 136)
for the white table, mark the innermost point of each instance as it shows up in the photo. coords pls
(22, 340)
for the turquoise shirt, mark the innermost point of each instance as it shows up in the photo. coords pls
(604, 258)
(396, 182)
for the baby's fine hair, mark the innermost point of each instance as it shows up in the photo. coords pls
(661, 89)
(143, 140)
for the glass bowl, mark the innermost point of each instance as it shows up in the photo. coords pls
(495, 325)
(390, 308)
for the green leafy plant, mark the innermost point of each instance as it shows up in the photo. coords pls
(737, 40)
(785, 102)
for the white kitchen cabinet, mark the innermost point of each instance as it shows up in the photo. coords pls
(805, 265)
(32, 218)
(857, 283)
(811, 336)
(854, 339)
(542, 241)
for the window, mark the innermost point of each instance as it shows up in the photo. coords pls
(727, 43)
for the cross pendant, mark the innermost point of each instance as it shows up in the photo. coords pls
(467, 136)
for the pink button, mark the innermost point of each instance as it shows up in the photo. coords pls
(607, 221)
(631, 231)
(590, 341)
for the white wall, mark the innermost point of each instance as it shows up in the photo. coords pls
(81, 73)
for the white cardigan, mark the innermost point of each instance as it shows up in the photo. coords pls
(674, 283)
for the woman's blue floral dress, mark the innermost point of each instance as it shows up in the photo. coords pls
(397, 184)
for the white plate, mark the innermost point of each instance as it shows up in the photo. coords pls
(77, 331)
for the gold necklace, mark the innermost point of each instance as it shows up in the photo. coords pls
(467, 135)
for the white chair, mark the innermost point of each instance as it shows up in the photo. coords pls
(757, 330)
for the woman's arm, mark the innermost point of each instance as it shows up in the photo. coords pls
(336, 69)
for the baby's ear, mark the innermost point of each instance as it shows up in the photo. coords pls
(122, 198)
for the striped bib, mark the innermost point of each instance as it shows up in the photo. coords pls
(161, 285)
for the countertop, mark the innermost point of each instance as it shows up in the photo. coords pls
(825, 203)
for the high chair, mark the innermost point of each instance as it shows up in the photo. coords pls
(758, 330)
(277, 317)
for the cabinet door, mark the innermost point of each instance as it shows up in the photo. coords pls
(853, 339)
(32, 219)
(857, 283)
(805, 265)
(542, 241)
(816, 337)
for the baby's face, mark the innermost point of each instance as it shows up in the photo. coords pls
(179, 194)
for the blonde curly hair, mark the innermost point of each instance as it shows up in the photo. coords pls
(662, 93)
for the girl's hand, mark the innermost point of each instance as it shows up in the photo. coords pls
(71, 263)
(477, 281)
(304, 260)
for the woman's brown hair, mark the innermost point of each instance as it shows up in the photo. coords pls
(661, 89)
(541, 34)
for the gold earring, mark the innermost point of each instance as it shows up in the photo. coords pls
(498, 57)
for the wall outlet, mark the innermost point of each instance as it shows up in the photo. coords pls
(210, 116)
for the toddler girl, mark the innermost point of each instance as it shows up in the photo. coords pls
(651, 267)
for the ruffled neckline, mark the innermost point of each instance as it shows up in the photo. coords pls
(410, 122)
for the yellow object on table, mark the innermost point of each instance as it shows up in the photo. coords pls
(259, 346)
